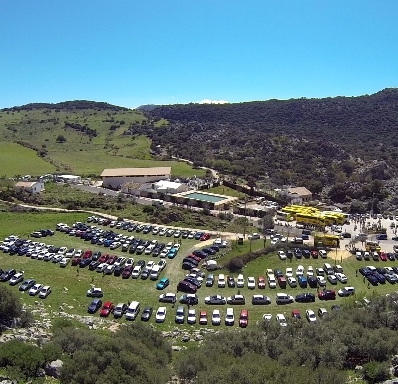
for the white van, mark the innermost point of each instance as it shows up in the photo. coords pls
(133, 310)
(155, 272)
(328, 269)
(221, 281)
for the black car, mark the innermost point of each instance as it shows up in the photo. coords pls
(209, 251)
(298, 253)
(188, 266)
(190, 260)
(210, 280)
(372, 279)
(312, 281)
(306, 253)
(193, 281)
(189, 298)
(278, 273)
(93, 265)
(96, 255)
(118, 270)
(231, 282)
(146, 313)
(187, 287)
(145, 273)
(305, 298)
(95, 305)
(141, 263)
(27, 284)
(260, 300)
(84, 262)
(6, 275)
(289, 254)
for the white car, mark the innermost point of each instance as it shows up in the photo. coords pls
(44, 292)
(150, 264)
(310, 315)
(17, 278)
(240, 281)
(135, 274)
(289, 272)
(300, 270)
(271, 281)
(229, 317)
(346, 291)
(161, 315)
(129, 261)
(35, 289)
(191, 318)
(164, 253)
(79, 253)
(283, 239)
(310, 271)
(162, 264)
(274, 241)
(120, 261)
(292, 281)
(341, 277)
(282, 255)
(101, 267)
(64, 262)
(322, 253)
(221, 281)
(110, 269)
(71, 252)
(251, 283)
(216, 317)
(281, 319)
(63, 250)
(267, 317)
(191, 235)
(321, 281)
(57, 258)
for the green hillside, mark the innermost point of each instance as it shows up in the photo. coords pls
(77, 137)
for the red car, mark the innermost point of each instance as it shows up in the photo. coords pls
(203, 318)
(205, 236)
(87, 254)
(261, 282)
(112, 259)
(296, 314)
(383, 256)
(327, 294)
(244, 318)
(197, 258)
(127, 272)
(76, 260)
(107, 309)
(103, 258)
(314, 254)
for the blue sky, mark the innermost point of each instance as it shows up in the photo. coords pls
(129, 52)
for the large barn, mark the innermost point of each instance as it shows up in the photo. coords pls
(115, 177)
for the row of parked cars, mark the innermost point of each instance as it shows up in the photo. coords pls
(13, 277)
(296, 315)
(125, 243)
(379, 275)
(300, 253)
(376, 256)
(150, 229)
(131, 311)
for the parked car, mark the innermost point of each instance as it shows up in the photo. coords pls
(310, 315)
(346, 291)
(251, 283)
(240, 281)
(45, 291)
(284, 298)
(6, 275)
(236, 299)
(281, 319)
(163, 283)
(260, 300)
(35, 289)
(215, 299)
(119, 310)
(160, 315)
(180, 315)
(107, 309)
(305, 297)
(95, 305)
(189, 298)
(296, 314)
(203, 318)
(244, 318)
(16, 279)
(168, 298)
(216, 317)
(327, 294)
(146, 313)
(27, 284)
(95, 292)
(261, 282)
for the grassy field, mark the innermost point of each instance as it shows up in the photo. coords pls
(80, 154)
(222, 190)
(117, 289)
(18, 160)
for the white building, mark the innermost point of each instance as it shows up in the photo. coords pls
(71, 179)
(30, 186)
(115, 177)
(166, 186)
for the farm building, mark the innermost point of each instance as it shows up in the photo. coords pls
(30, 186)
(116, 177)
(296, 195)
(165, 186)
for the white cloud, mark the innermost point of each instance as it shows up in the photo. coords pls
(208, 101)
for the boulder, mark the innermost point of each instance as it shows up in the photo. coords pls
(53, 369)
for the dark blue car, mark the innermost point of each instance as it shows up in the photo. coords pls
(95, 305)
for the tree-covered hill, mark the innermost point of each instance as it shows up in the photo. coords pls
(319, 140)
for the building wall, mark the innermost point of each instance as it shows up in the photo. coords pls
(117, 181)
